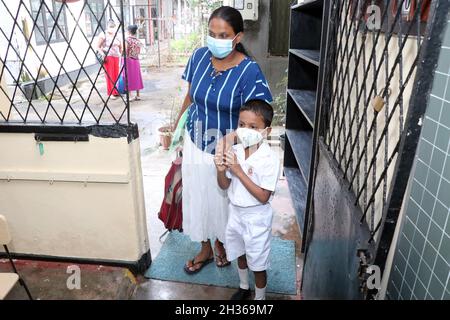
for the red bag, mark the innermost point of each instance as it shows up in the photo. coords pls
(171, 208)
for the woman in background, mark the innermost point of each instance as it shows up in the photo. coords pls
(111, 48)
(133, 49)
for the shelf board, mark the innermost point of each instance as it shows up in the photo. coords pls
(298, 190)
(312, 56)
(301, 144)
(308, 5)
(306, 102)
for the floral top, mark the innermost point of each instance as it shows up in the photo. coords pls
(133, 47)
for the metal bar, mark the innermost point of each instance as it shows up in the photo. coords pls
(429, 55)
(366, 73)
(378, 183)
(55, 82)
(22, 60)
(372, 162)
(373, 124)
(45, 51)
(374, 136)
(125, 64)
(63, 32)
(43, 64)
(338, 53)
(366, 70)
(22, 283)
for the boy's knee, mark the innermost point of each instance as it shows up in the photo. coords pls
(242, 262)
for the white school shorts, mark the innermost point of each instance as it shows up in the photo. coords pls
(249, 232)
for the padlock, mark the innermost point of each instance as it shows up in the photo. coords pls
(377, 103)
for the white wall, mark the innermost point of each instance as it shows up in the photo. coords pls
(82, 200)
(392, 249)
(79, 44)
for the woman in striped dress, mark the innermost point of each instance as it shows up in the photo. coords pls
(221, 79)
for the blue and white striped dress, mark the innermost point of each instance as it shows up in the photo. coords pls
(216, 101)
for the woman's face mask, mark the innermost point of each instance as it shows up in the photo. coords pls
(249, 137)
(220, 48)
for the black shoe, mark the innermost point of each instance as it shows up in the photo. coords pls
(241, 294)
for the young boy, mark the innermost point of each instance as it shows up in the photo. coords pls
(249, 171)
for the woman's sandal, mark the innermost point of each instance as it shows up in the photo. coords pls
(204, 263)
(222, 258)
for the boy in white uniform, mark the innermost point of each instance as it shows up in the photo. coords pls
(249, 171)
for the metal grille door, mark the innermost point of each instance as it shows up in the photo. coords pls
(48, 58)
(376, 78)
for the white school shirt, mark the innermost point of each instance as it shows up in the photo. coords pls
(262, 167)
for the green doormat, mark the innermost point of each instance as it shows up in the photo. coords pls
(178, 248)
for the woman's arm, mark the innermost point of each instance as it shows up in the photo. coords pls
(100, 43)
(186, 103)
(262, 195)
(120, 45)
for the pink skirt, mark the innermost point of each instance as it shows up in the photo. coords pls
(134, 74)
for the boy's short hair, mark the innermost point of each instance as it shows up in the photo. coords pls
(261, 108)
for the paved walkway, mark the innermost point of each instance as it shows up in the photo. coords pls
(164, 90)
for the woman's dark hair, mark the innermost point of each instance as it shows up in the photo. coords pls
(132, 29)
(234, 18)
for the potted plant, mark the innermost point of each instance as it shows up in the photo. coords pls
(165, 136)
(166, 131)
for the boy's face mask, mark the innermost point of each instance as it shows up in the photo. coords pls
(249, 137)
(220, 48)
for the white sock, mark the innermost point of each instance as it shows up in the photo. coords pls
(243, 278)
(260, 294)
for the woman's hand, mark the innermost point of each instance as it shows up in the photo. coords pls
(186, 103)
(232, 163)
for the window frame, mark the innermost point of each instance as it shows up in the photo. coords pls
(57, 36)
(97, 8)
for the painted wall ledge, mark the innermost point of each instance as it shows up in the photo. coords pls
(51, 176)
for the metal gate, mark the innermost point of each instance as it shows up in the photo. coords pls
(54, 48)
(67, 137)
(378, 73)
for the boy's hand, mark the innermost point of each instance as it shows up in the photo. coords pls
(219, 162)
(232, 163)
(225, 143)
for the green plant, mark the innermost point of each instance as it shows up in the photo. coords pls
(279, 103)
(186, 45)
(25, 77)
(181, 49)
(174, 111)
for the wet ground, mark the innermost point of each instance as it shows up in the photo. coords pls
(161, 99)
